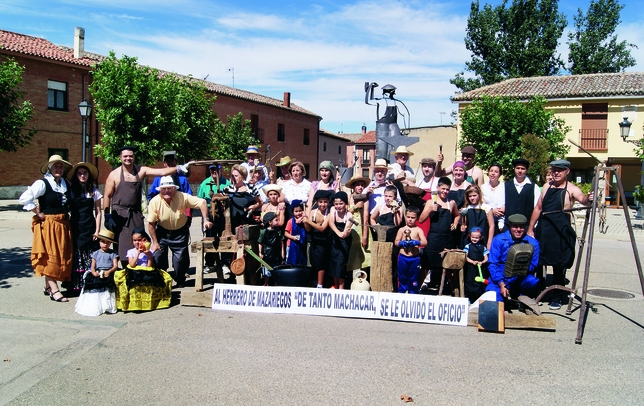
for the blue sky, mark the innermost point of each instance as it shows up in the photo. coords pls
(322, 52)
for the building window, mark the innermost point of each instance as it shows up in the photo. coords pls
(281, 133)
(340, 149)
(254, 128)
(365, 173)
(64, 153)
(56, 95)
(324, 147)
(307, 137)
(365, 155)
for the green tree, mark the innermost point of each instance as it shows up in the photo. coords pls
(593, 44)
(137, 105)
(507, 42)
(496, 127)
(537, 151)
(14, 114)
(232, 139)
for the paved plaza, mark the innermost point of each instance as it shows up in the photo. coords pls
(194, 355)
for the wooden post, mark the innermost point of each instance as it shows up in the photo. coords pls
(380, 275)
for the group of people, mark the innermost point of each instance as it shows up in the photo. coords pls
(323, 224)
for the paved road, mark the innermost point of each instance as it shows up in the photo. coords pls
(191, 355)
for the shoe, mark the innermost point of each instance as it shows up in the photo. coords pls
(555, 304)
(46, 291)
(61, 299)
(424, 287)
(225, 269)
(206, 269)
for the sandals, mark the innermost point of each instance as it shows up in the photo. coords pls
(60, 299)
(46, 291)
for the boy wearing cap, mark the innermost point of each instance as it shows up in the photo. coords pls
(270, 244)
(521, 195)
(473, 174)
(504, 285)
(557, 237)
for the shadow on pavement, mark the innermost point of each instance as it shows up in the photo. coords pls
(12, 207)
(14, 263)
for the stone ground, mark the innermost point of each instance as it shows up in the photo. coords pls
(189, 355)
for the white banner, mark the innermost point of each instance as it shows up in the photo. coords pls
(341, 303)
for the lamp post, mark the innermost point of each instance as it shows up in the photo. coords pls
(85, 110)
(624, 131)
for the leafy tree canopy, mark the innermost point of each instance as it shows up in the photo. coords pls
(499, 128)
(137, 105)
(516, 41)
(14, 113)
(233, 138)
(593, 44)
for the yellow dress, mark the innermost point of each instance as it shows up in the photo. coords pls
(358, 257)
(142, 288)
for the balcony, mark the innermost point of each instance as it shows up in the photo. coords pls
(593, 139)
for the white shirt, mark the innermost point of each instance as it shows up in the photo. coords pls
(495, 197)
(29, 198)
(519, 187)
(396, 169)
(296, 191)
(431, 186)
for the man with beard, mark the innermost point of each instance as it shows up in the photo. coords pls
(473, 174)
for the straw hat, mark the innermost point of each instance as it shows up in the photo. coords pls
(285, 160)
(355, 179)
(271, 188)
(252, 149)
(402, 150)
(105, 235)
(166, 181)
(93, 171)
(381, 164)
(52, 160)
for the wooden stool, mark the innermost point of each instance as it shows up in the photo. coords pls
(380, 277)
(453, 263)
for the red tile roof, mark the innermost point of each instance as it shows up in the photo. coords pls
(563, 87)
(368, 138)
(28, 45)
(40, 47)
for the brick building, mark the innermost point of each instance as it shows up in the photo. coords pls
(56, 79)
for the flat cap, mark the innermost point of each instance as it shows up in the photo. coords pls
(518, 219)
(560, 163)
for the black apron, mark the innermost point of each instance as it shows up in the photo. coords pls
(239, 201)
(438, 238)
(83, 221)
(126, 211)
(339, 252)
(474, 289)
(555, 234)
(388, 220)
(475, 218)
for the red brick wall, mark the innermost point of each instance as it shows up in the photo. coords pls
(62, 130)
(56, 129)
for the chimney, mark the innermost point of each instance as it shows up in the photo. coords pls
(79, 42)
(287, 99)
(364, 129)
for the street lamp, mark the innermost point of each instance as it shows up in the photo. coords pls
(85, 110)
(624, 131)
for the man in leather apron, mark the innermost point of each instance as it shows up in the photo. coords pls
(555, 233)
(122, 198)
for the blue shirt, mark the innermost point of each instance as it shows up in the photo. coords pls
(499, 252)
(184, 186)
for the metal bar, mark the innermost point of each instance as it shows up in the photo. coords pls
(629, 225)
(589, 250)
(582, 242)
